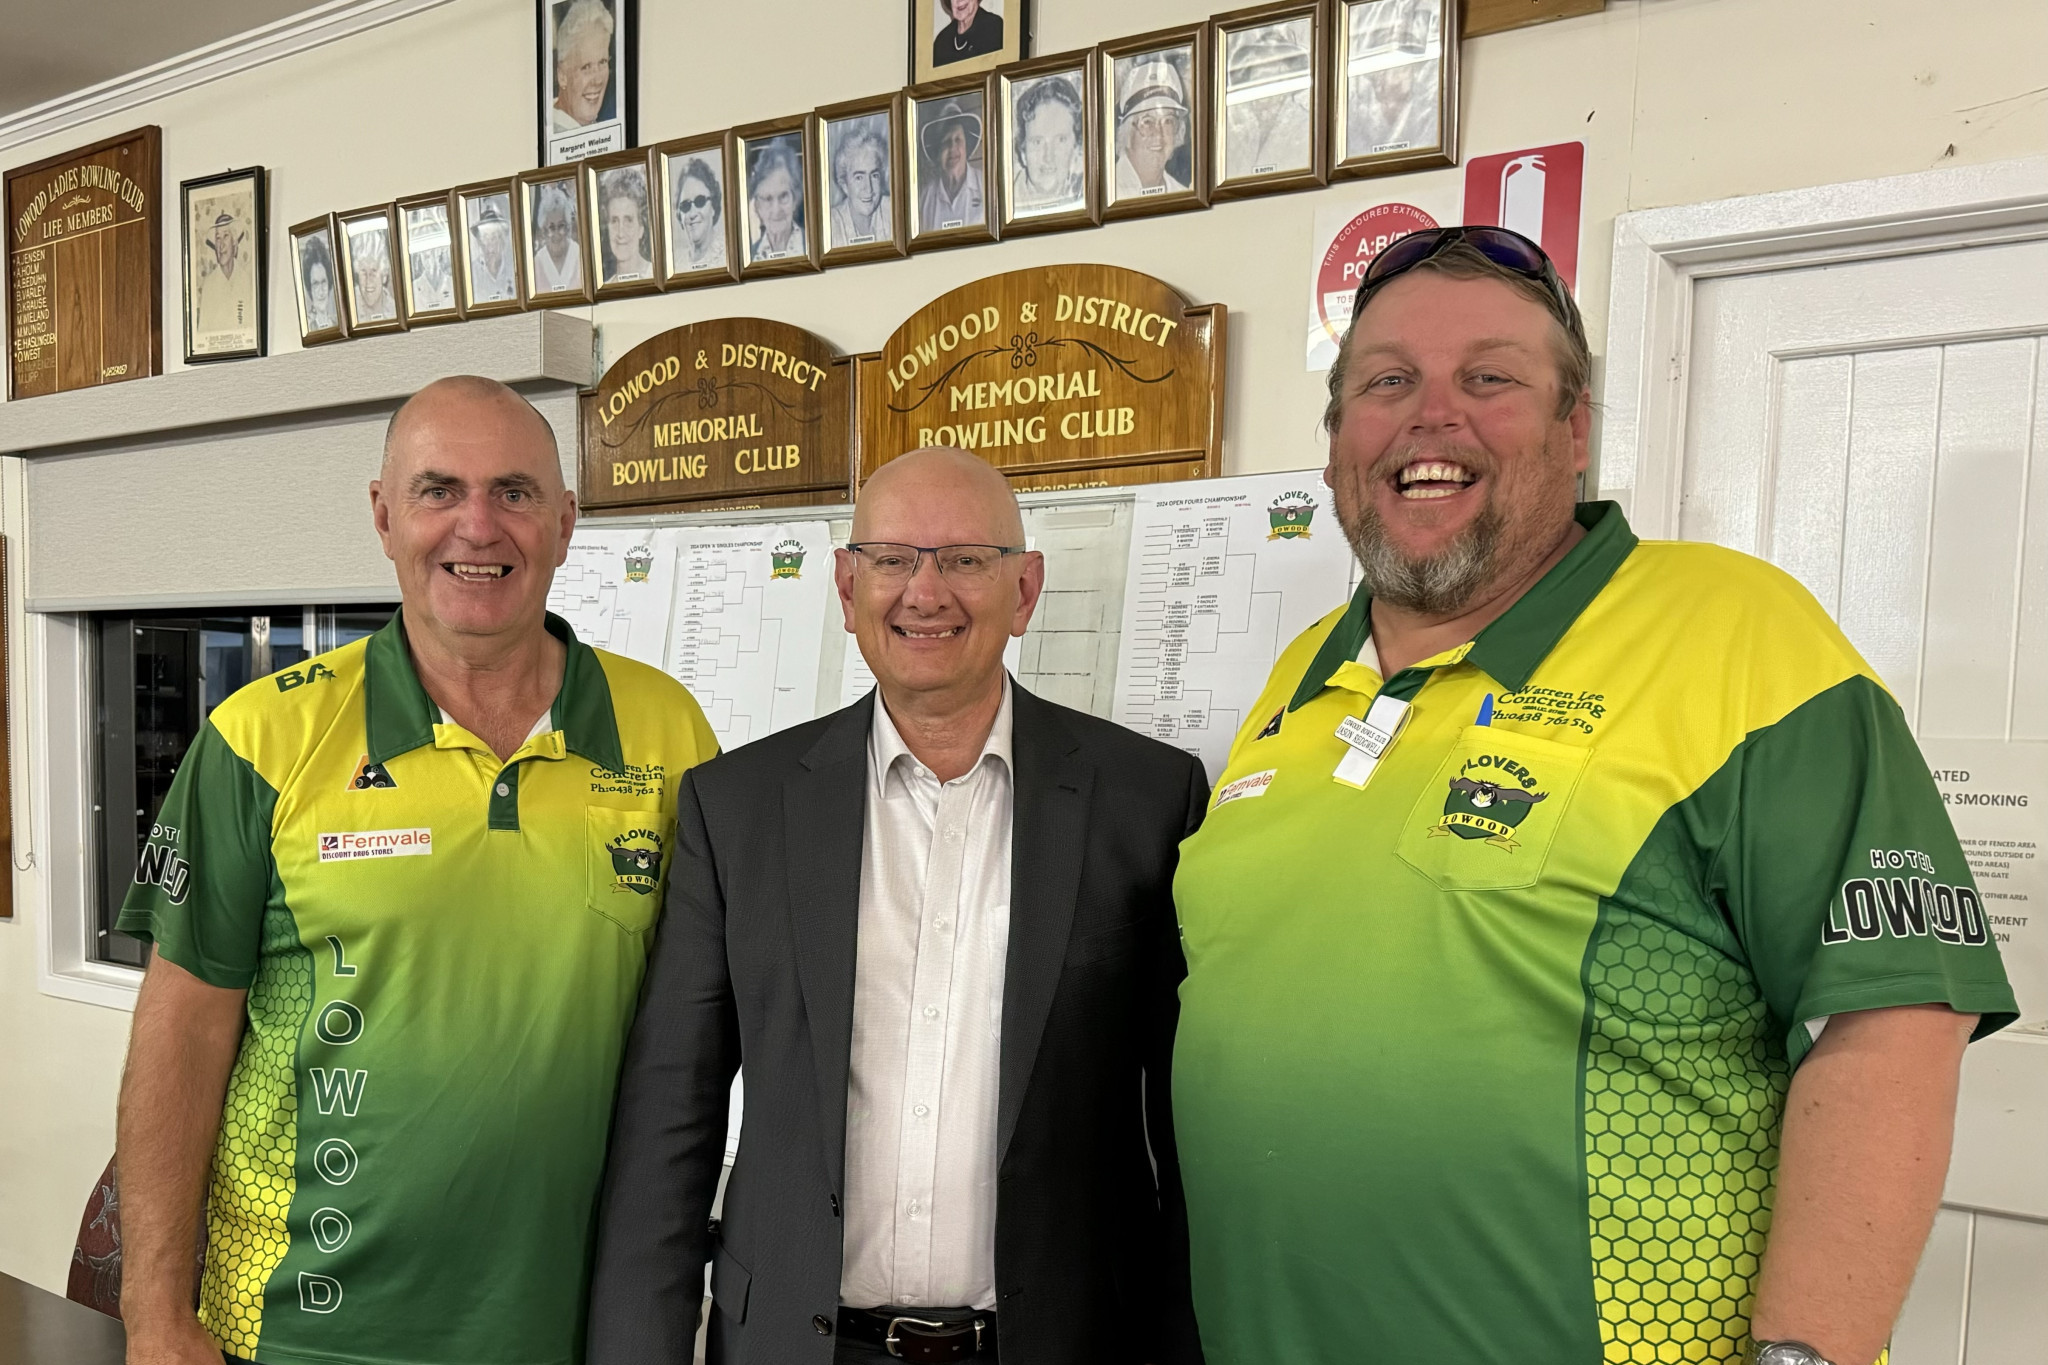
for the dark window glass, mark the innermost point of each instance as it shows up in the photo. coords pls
(159, 676)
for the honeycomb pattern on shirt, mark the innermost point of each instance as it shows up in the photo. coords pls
(1685, 1084)
(253, 1162)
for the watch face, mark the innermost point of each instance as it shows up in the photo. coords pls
(1789, 1353)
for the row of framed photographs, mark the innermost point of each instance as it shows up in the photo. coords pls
(1238, 105)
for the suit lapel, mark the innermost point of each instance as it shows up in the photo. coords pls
(1053, 787)
(824, 813)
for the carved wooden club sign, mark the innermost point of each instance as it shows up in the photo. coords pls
(729, 412)
(1064, 376)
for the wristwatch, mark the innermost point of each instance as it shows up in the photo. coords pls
(1783, 1353)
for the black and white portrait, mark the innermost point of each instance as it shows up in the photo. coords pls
(552, 229)
(429, 260)
(775, 198)
(696, 209)
(963, 30)
(1048, 146)
(371, 295)
(1268, 90)
(493, 269)
(1152, 123)
(950, 189)
(224, 266)
(625, 226)
(585, 99)
(319, 287)
(857, 157)
(1393, 66)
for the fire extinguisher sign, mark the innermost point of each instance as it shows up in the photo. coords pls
(1536, 192)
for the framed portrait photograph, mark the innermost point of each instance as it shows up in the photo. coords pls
(369, 270)
(486, 248)
(777, 236)
(1270, 121)
(226, 288)
(1155, 139)
(951, 38)
(554, 261)
(950, 204)
(1050, 176)
(625, 225)
(426, 260)
(316, 280)
(588, 81)
(860, 174)
(1397, 86)
(700, 234)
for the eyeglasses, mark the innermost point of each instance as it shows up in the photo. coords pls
(1504, 247)
(694, 202)
(957, 563)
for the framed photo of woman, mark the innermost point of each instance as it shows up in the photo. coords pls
(1396, 86)
(625, 228)
(862, 213)
(369, 270)
(588, 82)
(1051, 176)
(316, 280)
(1155, 130)
(950, 199)
(487, 248)
(554, 263)
(1270, 120)
(778, 234)
(700, 237)
(952, 38)
(426, 260)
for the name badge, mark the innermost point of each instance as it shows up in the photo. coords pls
(1368, 739)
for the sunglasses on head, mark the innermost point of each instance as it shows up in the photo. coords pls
(1504, 247)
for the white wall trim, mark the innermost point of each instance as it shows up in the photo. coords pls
(1659, 254)
(287, 37)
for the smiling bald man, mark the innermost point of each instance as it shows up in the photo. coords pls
(401, 898)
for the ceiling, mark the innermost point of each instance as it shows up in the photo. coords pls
(53, 47)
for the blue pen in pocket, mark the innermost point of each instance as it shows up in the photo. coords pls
(1485, 711)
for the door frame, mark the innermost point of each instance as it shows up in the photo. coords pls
(1660, 256)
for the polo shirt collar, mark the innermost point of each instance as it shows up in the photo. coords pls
(1510, 648)
(399, 716)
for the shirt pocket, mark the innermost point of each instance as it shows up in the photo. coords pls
(628, 851)
(1486, 821)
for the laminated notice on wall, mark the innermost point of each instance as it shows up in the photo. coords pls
(1997, 795)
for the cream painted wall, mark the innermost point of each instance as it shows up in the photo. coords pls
(1678, 101)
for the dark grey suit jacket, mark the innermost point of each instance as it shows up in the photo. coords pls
(754, 962)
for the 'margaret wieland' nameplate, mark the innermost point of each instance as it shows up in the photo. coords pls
(84, 250)
(1062, 376)
(730, 412)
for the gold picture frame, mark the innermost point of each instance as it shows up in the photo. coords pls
(1048, 112)
(426, 259)
(486, 215)
(700, 213)
(554, 249)
(777, 237)
(1146, 169)
(945, 211)
(1393, 86)
(367, 239)
(620, 187)
(860, 148)
(316, 270)
(1270, 99)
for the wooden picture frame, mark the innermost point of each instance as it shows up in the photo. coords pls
(930, 22)
(700, 240)
(225, 216)
(1393, 86)
(847, 133)
(1135, 91)
(554, 250)
(426, 259)
(487, 275)
(612, 125)
(316, 256)
(368, 242)
(1269, 126)
(777, 237)
(619, 188)
(941, 216)
(1049, 184)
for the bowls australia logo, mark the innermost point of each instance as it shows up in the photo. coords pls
(636, 861)
(786, 560)
(1291, 513)
(639, 563)
(1489, 797)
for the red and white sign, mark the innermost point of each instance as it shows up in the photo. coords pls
(1537, 193)
(1345, 246)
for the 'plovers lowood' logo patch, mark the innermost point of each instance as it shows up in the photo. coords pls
(786, 560)
(1290, 515)
(639, 563)
(1489, 797)
(636, 860)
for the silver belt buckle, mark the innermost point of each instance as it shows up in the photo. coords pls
(890, 1342)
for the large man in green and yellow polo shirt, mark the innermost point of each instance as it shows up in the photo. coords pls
(401, 898)
(1580, 957)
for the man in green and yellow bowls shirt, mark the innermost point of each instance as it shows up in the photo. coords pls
(401, 898)
(1580, 956)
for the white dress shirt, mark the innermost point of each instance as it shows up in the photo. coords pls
(927, 1027)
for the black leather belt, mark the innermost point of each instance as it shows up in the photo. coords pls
(923, 1336)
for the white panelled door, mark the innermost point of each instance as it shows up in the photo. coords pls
(1878, 426)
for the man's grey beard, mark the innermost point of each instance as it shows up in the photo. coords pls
(1441, 585)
